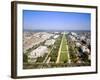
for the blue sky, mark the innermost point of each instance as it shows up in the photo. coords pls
(49, 20)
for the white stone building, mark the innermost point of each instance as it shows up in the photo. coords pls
(85, 49)
(78, 44)
(38, 52)
(56, 36)
(49, 42)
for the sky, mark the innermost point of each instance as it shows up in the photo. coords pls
(50, 20)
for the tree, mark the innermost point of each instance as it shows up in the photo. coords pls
(25, 58)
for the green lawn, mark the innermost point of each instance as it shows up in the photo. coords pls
(54, 52)
(63, 55)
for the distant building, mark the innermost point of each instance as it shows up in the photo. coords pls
(85, 49)
(38, 52)
(82, 38)
(74, 34)
(56, 36)
(35, 38)
(49, 42)
(78, 44)
(72, 38)
(88, 41)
